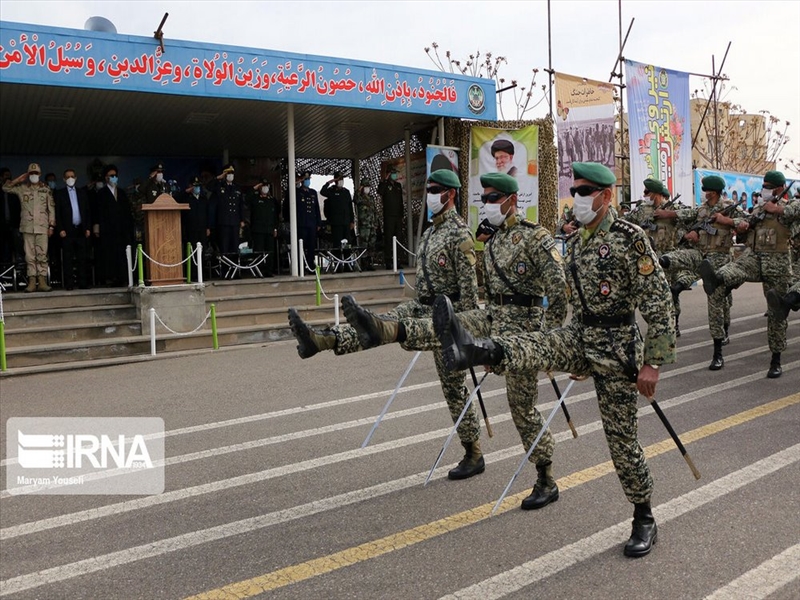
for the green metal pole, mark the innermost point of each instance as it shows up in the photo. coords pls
(140, 264)
(189, 262)
(3, 364)
(214, 326)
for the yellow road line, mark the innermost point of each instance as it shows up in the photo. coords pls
(319, 566)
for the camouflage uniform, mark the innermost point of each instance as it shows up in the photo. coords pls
(715, 245)
(613, 271)
(527, 256)
(766, 259)
(367, 228)
(447, 252)
(37, 216)
(792, 210)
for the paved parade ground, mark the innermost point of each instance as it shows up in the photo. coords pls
(268, 493)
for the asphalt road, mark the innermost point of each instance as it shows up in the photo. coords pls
(268, 493)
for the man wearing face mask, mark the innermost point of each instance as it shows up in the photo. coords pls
(113, 230)
(710, 237)
(74, 227)
(521, 266)
(262, 219)
(663, 233)
(155, 185)
(446, 265)
(228, 207)
(766, 258)
(612, 272)
(309, 218)
(37, 223)
(338, 209)
(195, 221)
(367, 233)
(391, 193)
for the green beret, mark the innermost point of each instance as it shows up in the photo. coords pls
(502, 182)
(665, 191)
(653, 185)
(445, 177)
(713, 183)
(776, 178)
(594, 172)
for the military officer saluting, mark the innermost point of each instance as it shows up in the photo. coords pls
(612, 272)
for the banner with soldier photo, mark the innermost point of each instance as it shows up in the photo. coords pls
(585, 127)
(739, 187)
(512, 151)
(440, 157)
(659, 122)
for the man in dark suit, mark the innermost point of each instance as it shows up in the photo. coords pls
(10, 238)
(74, 227)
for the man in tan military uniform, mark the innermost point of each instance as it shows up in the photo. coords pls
(37, 223)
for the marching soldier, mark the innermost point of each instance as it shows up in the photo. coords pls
(521, 267)
(663, 233)
(446, 265)
(612, 272)
(37, 222)
(766, 258)
(710, 236)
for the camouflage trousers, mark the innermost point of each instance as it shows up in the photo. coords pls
(522, 389)
(453, 386)
(597, 352)
(795, 250)
(36, 253)
(773, 270)
(720, 302)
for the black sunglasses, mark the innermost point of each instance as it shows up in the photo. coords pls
(492, 197)
(646, 193)
(584, 190)
(435, 189)
(708, 190)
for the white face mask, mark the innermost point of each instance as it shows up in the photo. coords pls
(435, 203)
(340, 184)
(766, 195)
(494, 213)
(71, 181)
(264, 190)
(33, 178)
(646, 202)
(159, 177)
(99, 185)
(366, 190)
(582, 209)
(229, 177)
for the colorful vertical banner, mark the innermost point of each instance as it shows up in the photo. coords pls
(659, 118)
(440, 157)
(585, 127)
(512, 151)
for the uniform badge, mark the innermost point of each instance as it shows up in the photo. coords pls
(521, 268)
(516, 238)
(645, 264)
(640, 246)
(605, 288)
(604, 251)
(442, 260)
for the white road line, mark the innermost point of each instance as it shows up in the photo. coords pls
(765, 579)
(568, 556)
(225, 484)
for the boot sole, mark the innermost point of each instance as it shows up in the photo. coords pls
(355, 320)
(538, 506)
(305, 345)
(706, 272)
(442, 321)
(471, 474)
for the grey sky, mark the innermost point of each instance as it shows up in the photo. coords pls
(763, 62)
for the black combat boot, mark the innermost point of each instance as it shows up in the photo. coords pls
(726, 340)
(459, 349)
(710, 279)
(781, 305)
(644, 532)
(664, 261)
(310, 341)
(371, 329)
(544, 491)
(775, 370)
(717, 362)
(471, 464)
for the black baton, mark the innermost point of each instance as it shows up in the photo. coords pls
(563, 405)
(480, 401)
(675, 437)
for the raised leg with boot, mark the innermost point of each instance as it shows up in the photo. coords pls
(460, 349)
(471, 464)
(717, 362)
(775, 370)
(372, 330)
(309, 341)
(644, 531)
(544, 491)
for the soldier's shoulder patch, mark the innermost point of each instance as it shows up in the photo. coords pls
(640, 246)
(516, 238)
(529, 224)
(625, 227)
(468, 248)
(548, 243)
(645, 265)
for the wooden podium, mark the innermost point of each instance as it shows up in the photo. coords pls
(162, 233)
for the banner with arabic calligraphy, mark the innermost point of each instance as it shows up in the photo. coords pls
(32, 54)
(659, 119)
(585, 127)
(523, 164)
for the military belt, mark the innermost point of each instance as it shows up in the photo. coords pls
(428, 300)
(517, 300)
(612, 321)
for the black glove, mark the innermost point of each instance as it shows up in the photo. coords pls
(485, 228)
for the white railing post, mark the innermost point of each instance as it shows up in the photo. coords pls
(301, 259)
(152, 312)
(336, 308)
(130, 265)
(394, 253)
(199, 262)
